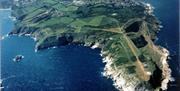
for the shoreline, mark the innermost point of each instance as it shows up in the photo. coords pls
(166, 70)
(118, 80)
(120, 83)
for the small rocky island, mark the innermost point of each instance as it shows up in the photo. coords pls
(124, 30)
(18, 58)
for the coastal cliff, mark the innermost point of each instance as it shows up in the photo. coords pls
(124, 31)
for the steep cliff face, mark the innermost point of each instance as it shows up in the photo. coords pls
(124, 31)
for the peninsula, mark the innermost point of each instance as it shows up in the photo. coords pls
(124, 30)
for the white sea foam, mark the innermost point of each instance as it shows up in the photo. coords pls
(35, 50)
(160, 26)
(27, 34)
(118, 81)
(54, 47)
(96, 45)
(149, 8)
(35, 39)
(166, 71)
(12, 18)
(1, 81)
(1, 87)
(3, 37)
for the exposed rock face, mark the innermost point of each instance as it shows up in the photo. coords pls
(124, 32)
(158, 79)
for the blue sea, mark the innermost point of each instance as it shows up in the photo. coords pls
(68, 68)
(73, 68)
(167, 11)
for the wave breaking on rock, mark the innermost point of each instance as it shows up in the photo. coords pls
(121, 82)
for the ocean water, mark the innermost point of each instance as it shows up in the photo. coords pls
(73, 68)
(167, 11)
(69, 68)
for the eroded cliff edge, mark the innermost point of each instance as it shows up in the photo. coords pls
(124, 30)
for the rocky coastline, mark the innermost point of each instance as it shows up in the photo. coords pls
(125, 75)
(120, 80)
